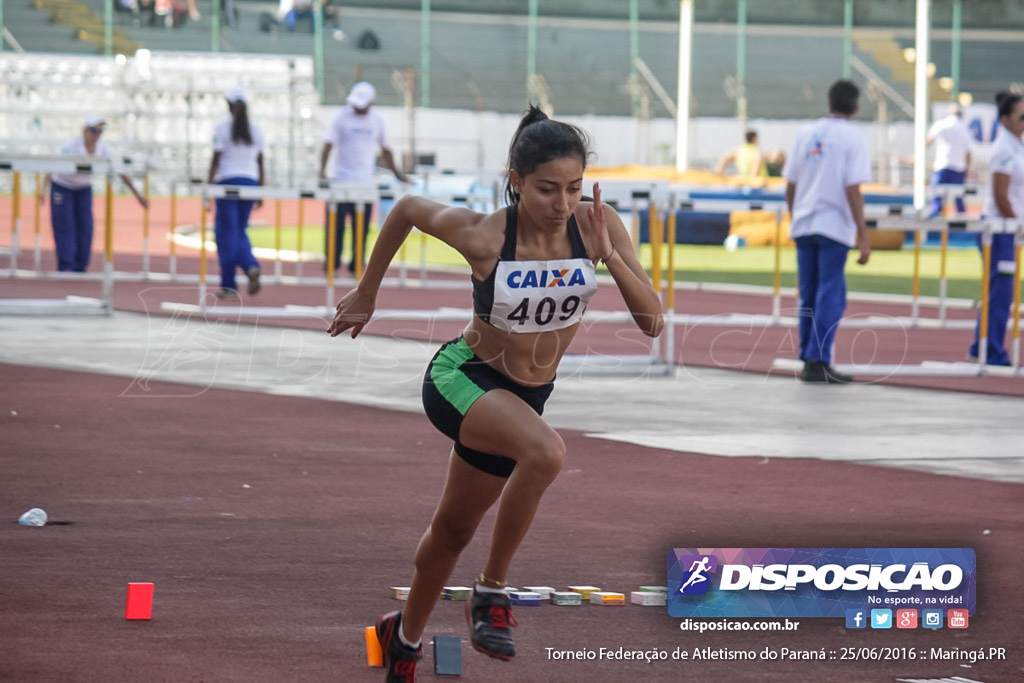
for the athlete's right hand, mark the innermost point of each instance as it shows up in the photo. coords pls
(352, 313)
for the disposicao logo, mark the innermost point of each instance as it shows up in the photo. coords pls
(817, 582)
(696, 581)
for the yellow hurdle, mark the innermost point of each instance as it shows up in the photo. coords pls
(360, 241)
(204, 214)
(654, 222)
(915, 282)
(332, 242)
(298, 240)
(670, 295)
(277, 239)
(986, 259)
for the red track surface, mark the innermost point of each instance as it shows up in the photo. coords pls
(273, 527)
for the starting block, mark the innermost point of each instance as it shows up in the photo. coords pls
(566, 598)
(649, 598)
(447, 656)
(525, 598)
(374, 654)
(544, 591)
(607, 598)
(139, 604)
(460, 593)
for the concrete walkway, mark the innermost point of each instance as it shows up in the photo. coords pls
(698, 410)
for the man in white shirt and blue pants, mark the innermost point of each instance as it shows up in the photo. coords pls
(829, 162)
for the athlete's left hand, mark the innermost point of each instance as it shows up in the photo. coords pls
(600, 242)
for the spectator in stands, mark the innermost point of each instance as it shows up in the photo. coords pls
(829, 162)
(355, 135)
(953, 143)
(237, 160)
(71, 199)
(1004, 197)
(290, 11)
(747, 158)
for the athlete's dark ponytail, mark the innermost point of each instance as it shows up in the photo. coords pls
(537, 141)
(240, 122)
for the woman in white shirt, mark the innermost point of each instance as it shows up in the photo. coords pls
(1005, 199)
(237, 160)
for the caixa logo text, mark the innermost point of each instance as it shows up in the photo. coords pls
(831, 577)
(566, 277)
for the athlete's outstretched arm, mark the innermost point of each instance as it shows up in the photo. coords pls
(453, 225)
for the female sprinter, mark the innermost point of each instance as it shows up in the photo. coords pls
(533, 266)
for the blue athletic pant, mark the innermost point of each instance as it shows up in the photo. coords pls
(234, 251)
(1000, 300)
(946, 176)
(346, 210)
(821, 265)
(71, 217)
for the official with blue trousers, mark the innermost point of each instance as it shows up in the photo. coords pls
(71, 198)
(1004, 198)
(830, 161)
(238, 161)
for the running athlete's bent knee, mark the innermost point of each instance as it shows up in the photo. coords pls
(546, 460)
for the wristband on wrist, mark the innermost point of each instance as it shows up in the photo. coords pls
(609, 256)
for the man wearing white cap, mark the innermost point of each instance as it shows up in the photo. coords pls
(355, 134)
(71, 199)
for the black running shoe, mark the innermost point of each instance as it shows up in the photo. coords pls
(490, 617)
(399, 659)
(254, 280)
(817, 372)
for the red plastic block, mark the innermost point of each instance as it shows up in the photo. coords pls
(140, 601)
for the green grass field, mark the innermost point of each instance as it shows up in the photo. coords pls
(888, 272)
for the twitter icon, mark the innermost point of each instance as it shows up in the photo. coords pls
(881, 618)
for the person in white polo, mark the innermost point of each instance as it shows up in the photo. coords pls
(71, 198)
(953, 143)
(829, 162)
(355, 136)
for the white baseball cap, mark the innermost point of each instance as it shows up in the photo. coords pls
(93, 120)
(235, 94)
(361, 95)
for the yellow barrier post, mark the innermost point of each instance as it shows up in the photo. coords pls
(943, 255)
(986, 260)
(670, 295)
(298, 239)
(37, 226)
(145, 226)
(204, 214)
(1018, 241)
(777, 274)
(915, 282)
(423, 257)
(360, 242)
(670, 276)
(332, 244)
(277, 240)
(172, 232)
(15, 221)
(654, 225)
(108, 244)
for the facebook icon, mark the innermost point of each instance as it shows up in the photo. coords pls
(856, 618)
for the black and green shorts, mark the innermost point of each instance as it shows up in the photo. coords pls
(454, 380)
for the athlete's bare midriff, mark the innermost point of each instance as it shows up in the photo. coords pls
(531, 359)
